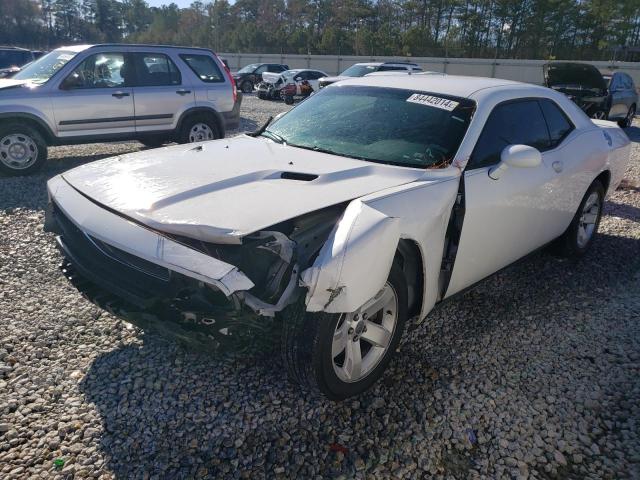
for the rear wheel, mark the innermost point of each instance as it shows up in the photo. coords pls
(198, 128)
(246, 86)
(580, 235)
(341, 355)
(23, 150)
(628, 120)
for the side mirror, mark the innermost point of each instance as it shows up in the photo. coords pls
(516, 156)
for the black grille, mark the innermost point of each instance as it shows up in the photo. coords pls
(119, 272)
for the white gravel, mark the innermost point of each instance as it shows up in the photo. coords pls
(533, 374)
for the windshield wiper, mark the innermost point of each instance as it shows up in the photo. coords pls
(273, 136)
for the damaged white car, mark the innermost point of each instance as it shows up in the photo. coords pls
(360, 208)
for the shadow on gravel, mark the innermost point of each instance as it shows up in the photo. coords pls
(633, 133)
(173, 414)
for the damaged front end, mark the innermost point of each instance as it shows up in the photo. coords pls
(263, 280)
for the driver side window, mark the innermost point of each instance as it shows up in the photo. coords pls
(512, 123)
(102, 70)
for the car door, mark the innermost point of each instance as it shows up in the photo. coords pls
(508, 218)
(160, 92)
(314, 77)
(96, 97)
(618, 97)
(631, 96)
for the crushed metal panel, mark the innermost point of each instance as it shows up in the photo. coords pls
(145, 243)
(344, 276)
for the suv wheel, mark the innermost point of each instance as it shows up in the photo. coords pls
(22, 149)
(628, 120)
(341, 355)
(247, 86)
(199, 128)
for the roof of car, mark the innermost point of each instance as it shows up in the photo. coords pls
(454, 85)
(80, 48)
(9, 47)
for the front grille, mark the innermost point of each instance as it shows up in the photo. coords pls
(133, 278)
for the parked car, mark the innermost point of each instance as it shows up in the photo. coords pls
(362, 69)
(13, 58)
(299, 82)
(360, 208)
(248, 77)
(582, 83)
(623, 98)
(99, 93)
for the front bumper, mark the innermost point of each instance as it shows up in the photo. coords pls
(144, 277)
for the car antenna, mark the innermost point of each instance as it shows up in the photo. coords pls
(259, 131)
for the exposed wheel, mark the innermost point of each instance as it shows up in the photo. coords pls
(628, 120)
(288, 100)
(246, 86)
(23, 151)
(599, 115)
(199, 128)
(341, 355)
(580, 235)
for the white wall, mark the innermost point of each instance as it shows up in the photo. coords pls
(521, 70)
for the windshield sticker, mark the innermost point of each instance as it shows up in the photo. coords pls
(431, 101)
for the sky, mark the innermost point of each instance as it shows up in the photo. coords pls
(180, 3)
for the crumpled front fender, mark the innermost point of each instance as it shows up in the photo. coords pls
(354, 263)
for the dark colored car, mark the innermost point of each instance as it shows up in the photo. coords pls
(582, 83)
(12, 58)
(623, 98)
(247, 77)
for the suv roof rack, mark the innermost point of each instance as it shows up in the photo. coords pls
(147, 46)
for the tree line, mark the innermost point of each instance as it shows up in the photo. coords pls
(535, 29)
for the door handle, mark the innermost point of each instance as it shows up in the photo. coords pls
(183, 92)
(120, 94)
(557, 166)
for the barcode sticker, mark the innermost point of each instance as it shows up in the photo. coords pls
(431, 101)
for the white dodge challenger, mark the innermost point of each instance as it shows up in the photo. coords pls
(360, 208)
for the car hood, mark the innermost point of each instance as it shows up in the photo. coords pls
(222, 190)
(337, 78)
(10, 83)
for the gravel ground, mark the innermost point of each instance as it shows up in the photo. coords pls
(533, 374)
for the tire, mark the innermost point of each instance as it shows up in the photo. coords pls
(23, 150)
(573, 243)
(307, 343)
(288, 100)
(600, 115)
(194, 129)
(246, 86)
(628, 120)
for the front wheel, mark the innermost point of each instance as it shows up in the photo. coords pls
(246, 87)
(577, 239)
(342, 355)
(23, 151)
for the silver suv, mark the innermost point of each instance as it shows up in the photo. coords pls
(95, 93)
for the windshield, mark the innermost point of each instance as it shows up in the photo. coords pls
(578, 75)
(249, 68)
(382, 125)
(359, 70)
(43, 69)
(14, 58)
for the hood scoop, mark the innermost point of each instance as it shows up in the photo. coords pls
(302, 177)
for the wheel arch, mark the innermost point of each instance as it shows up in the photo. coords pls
(410, 259)
(605, 179)
(34, 122)
(208, 111)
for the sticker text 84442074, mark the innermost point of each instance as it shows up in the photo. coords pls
(431, 101)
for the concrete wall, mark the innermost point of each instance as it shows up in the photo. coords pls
(521, 70)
